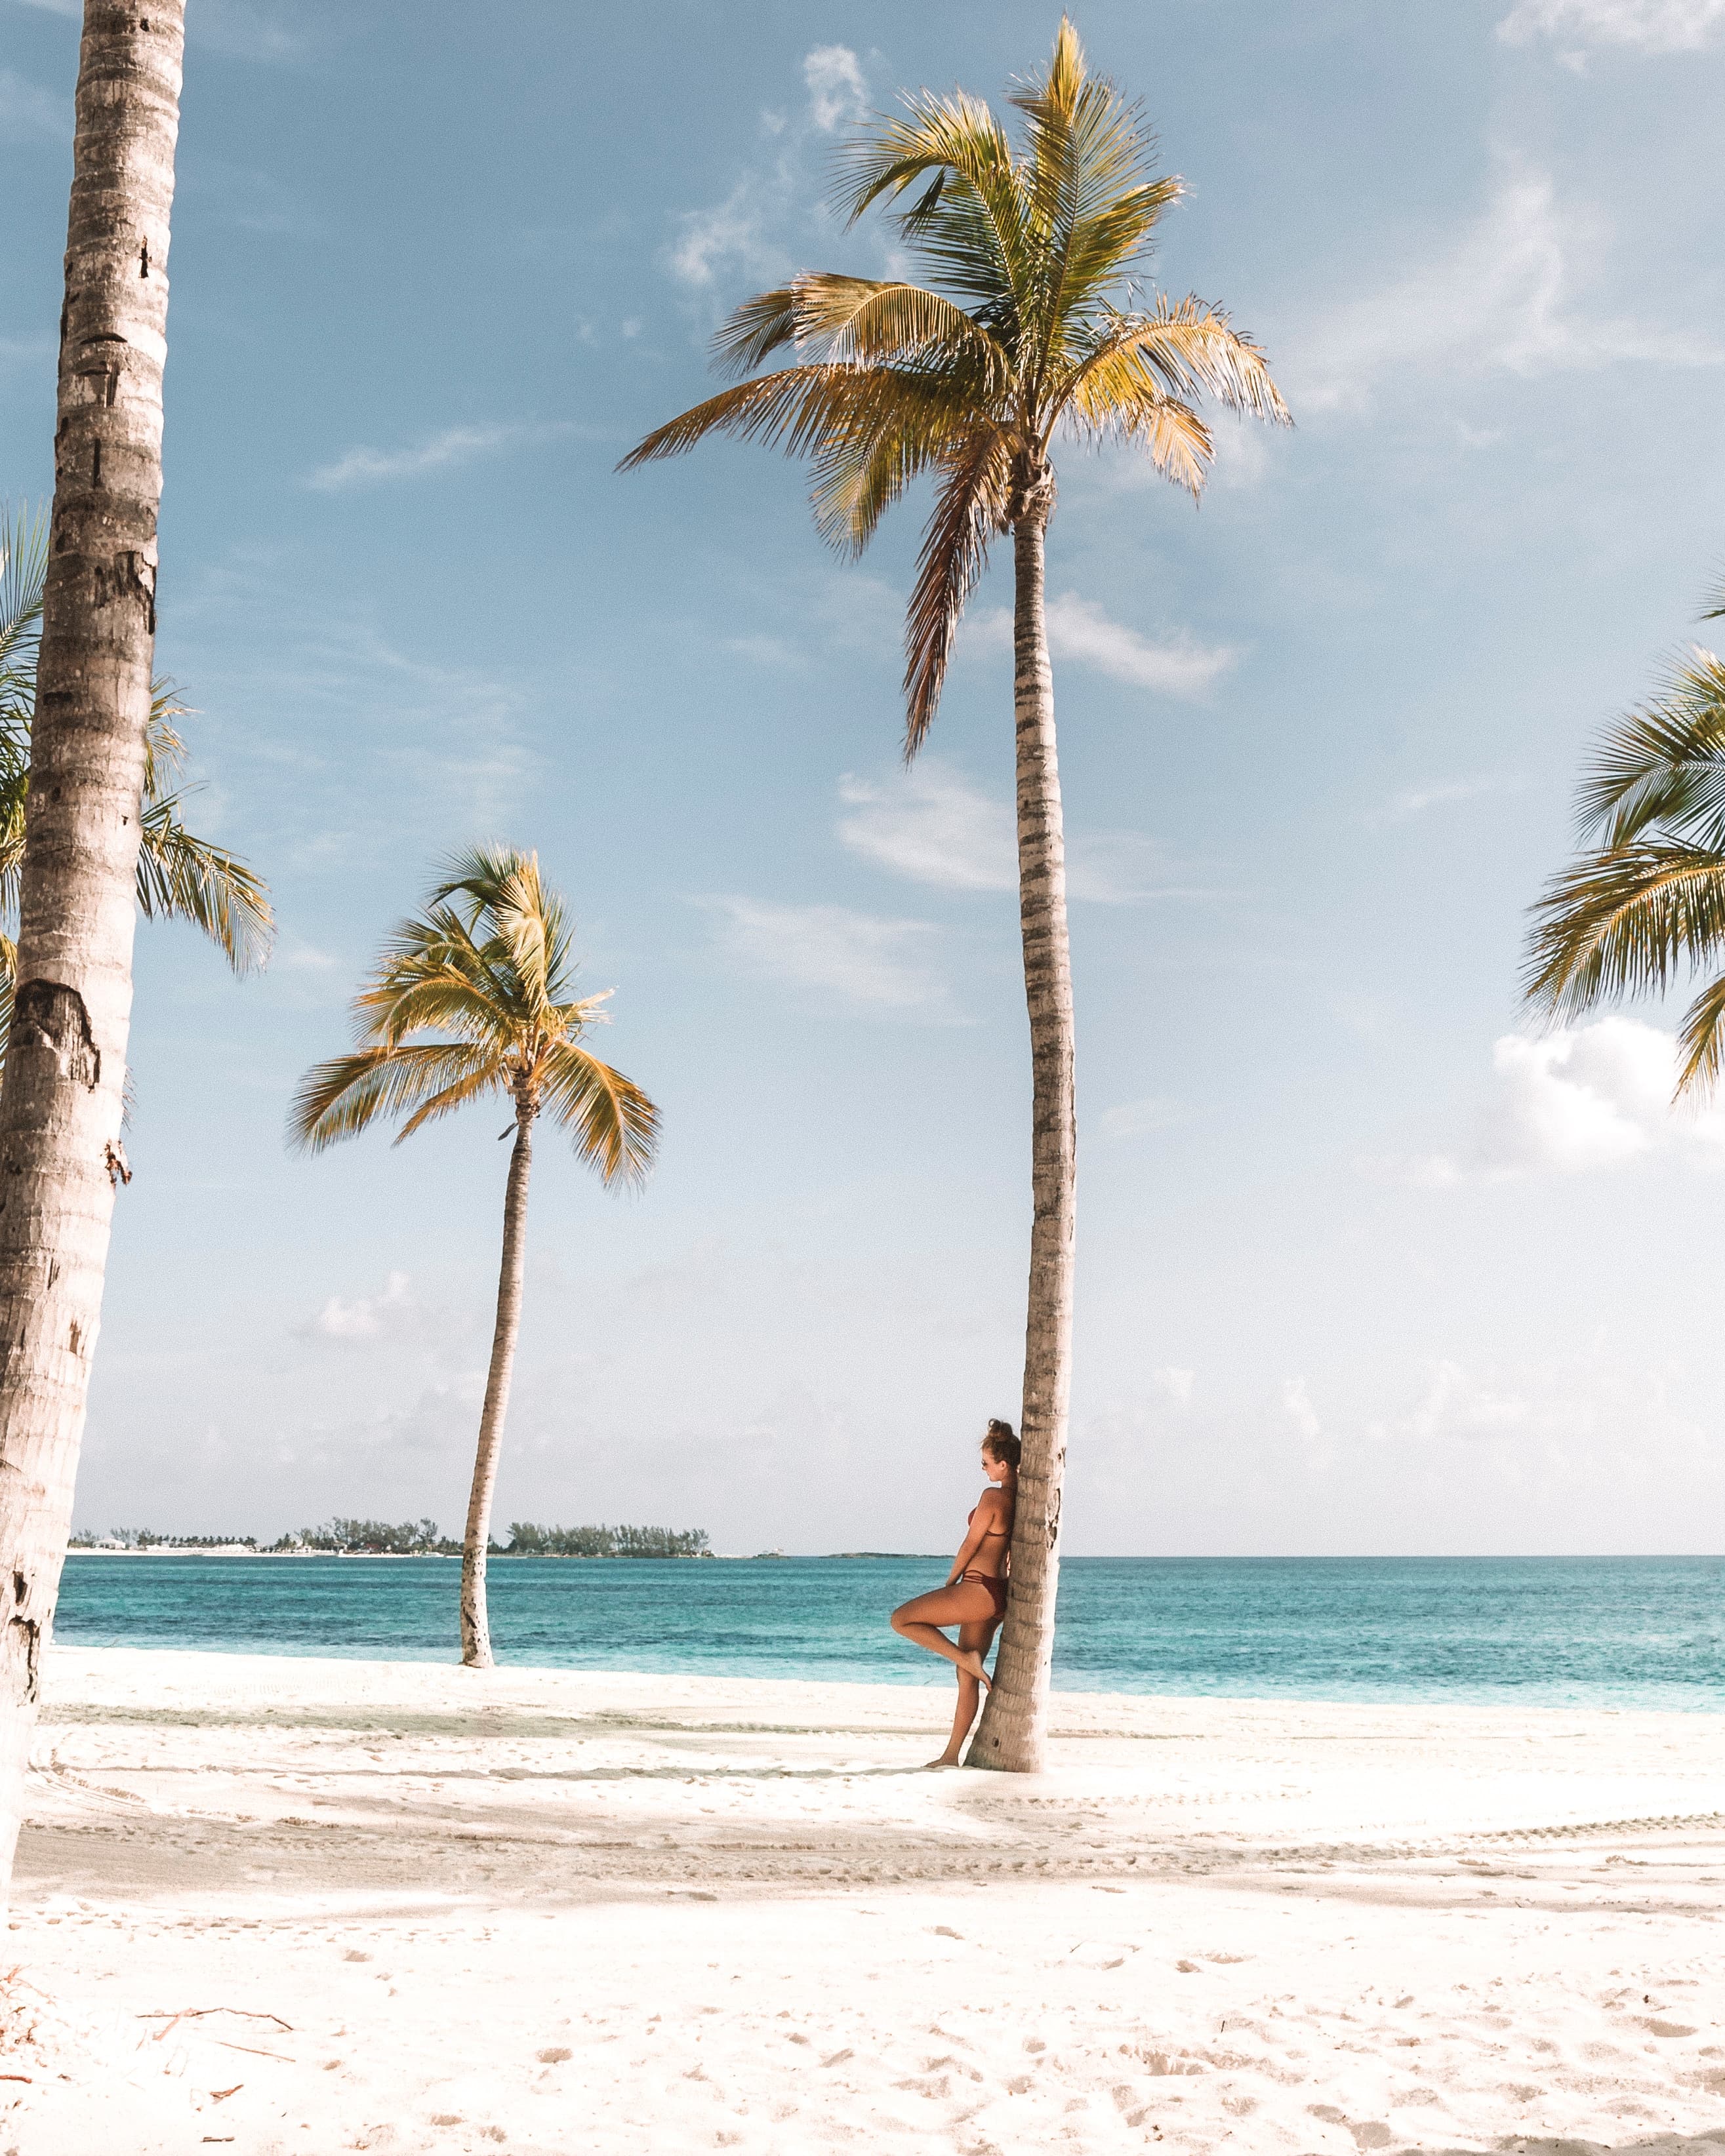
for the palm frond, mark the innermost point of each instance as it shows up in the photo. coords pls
(525, 926)
(971, 224)
(857, 321)
(339, 1098)
(796, 409)
(164, 746)
(14, 792)
(1662, 768)
(1622, 921)
(23, 577)
(8, 983)
(766, 323)
(968, 511)
(1700, 1047)
(482, 1080)
(1093, 200)
(182, 877)
(615, 1125)
(863, 469)
(1170, 433)
(1181, 349)
(1714, 610)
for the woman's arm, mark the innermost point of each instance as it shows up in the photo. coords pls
(988, 1508)
(967, 1549)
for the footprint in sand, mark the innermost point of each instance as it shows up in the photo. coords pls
(1368, 2132)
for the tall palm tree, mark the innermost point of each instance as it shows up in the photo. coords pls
(179, 876)
(61, 1100)
(1646, 899)
(1031, 328)
(484, 970)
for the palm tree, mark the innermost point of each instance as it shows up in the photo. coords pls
(1031, 328)
(485, 970)
(62, 1097)
(179, 876)
(1647, 898)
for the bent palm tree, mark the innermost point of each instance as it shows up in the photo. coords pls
(1029, 329)
(1648, 900)
(179, 876)
(485, 969)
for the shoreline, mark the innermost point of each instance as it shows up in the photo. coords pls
(933, 1680)
(189, 1668)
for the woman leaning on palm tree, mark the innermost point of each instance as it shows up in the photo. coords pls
(1030, 331)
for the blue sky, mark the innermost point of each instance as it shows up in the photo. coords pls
(1364, 1266)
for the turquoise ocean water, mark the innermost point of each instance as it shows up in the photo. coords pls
(1549, 1631)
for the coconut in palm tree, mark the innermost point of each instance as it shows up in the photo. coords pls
(470, 999)
(178, 875)
(1032, 330)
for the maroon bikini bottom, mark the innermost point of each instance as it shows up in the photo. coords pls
(997, 1588)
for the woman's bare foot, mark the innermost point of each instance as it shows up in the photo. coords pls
(971, 1665)
(945, 1760)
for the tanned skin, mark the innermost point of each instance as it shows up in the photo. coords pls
(965, 1603)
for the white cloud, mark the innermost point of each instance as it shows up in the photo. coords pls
(455, 445)
(30, 113)
(1647, 26)
(859, 956)
(1136, 1119)
(1584, 1098)
(1452, 1406)
(744, 235)
(731, 236)
(837, 94)
(1177, 1384)
(1078, 629)
(931, 825)
(240, 29)
(303, 958)
(1505, 297)
(1297, 1406)
(1441, 793)
(765, 650)
(1120, 868)
(1082, 631)
(365, 1318)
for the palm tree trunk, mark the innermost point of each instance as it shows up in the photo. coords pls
(1011, 1732)
(60, 1106)
(475, 1623)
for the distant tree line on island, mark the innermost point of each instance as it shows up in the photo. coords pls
(341, 1538)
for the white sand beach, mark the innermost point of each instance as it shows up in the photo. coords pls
(286, 1905)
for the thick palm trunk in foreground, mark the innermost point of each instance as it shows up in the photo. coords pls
(475, 1623)
(1011, 1731)
(60, 1106)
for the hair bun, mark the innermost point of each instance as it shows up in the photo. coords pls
(1002, 1441)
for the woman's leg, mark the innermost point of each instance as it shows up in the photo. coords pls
(979, 1637)
(964, 1605)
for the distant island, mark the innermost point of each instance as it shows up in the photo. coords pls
(340, 1537)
